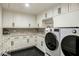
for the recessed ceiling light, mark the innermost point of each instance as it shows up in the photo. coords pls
(27, 5)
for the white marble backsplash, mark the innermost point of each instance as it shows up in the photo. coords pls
(25, 32)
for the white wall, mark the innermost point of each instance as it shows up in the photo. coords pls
(69, 15)
(0, 29)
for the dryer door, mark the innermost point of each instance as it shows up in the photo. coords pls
(51, 41)
(69, 45)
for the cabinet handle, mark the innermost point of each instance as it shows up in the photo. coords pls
(45, 15)
(38, 25)
(24, 37)
(41, 43)
(59, 10)
(29, 25)
(12, 43)
(13, 24)
(27, 40)
(16, 38)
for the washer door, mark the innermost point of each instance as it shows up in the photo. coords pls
(69, 45)
(51, 41)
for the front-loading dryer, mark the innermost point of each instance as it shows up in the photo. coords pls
(69, 41)
(52, 41)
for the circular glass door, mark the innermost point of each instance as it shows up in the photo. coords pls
(51, 41)
(69, 45)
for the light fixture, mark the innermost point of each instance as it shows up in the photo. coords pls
(27, 5)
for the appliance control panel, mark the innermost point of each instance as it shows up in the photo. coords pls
(56, 30)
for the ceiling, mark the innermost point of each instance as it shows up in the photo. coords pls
(34, 8)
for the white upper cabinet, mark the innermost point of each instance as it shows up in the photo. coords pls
(1, 30)
(0, 18)
(24, 21)
(8, 19)
(55, 11)
(74, 7)
(18, 20)
(60, 9)
(49, 13)
(69, 7)
(43, 16)
(64, 8)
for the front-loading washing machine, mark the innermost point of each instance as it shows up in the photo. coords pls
(52, 41)
(69, 41)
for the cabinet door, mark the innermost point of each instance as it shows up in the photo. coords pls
(20, 43)
(1, 40)
(23, 42)
(64, 8)
(17, 43)
(40, 43)
(32, 41)
(55, 11)
(50, 13)
(35, 40)
(8, 19)
(1, 35)
(20, 21)
(74, 7)
(7, 45)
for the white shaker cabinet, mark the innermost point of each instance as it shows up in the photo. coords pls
(65, 8)
(32, 40)
(21, 42)
(24, 21)
(8, 19)
(40, 44)
(0, 23)
(18, 20)
(74, 7)
(17, 42)
(69, 7)
(7, 43)
(1, 30)
(49, 13)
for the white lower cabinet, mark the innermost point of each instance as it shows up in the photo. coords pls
(7, 44)
(40, 44)
(32, 40)
(19, 42)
